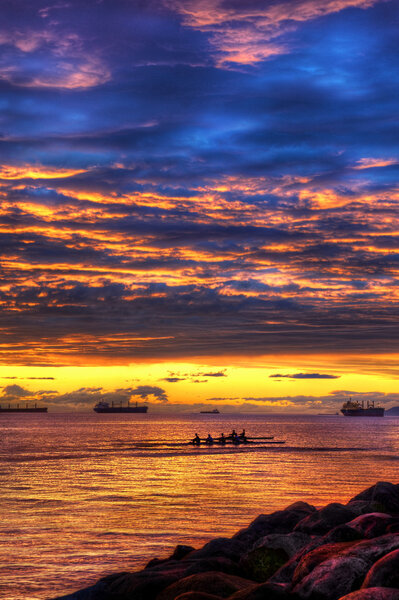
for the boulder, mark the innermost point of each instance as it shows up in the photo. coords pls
(314, 558)
(281, 521)
(264, 591)
(371, 525)
(211, 582)
(291, 543)
(226, 547)
(215, 563)
(341, 533)
(340, 570)
(383, 496)
(321, 521)
(385, 572)
(376, 593)
(197, 596)
(261, 563)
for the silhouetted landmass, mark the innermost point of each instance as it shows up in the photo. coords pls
(392, 412)
(336, 552)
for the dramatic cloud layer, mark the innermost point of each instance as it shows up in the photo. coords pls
(193, 178)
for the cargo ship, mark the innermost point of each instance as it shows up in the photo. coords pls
(352, 408)
(23, 409)
(104, 407)
(210, 412)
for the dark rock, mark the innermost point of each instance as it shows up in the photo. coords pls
(261, 563)
(281, 521)
(383, 495)
(214, 563)
(197, 596)
(181, 551)
(385, 572)
(372, 524)
(321, 521)
(226, 547)
(341, 533)
(291, 543)
(264, 591)
(285, 574)
(212, 582)
(376, 593)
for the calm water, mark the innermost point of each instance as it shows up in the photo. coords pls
(85, 495)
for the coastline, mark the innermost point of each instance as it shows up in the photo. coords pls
(339, 551)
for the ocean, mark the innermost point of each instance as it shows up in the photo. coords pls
(85, 495)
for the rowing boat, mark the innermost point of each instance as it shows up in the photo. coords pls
(231, 443)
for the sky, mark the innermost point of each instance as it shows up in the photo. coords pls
(199, 203)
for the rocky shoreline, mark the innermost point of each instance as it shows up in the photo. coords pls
(340, 551)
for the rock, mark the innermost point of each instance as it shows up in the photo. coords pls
(291, 543)
(181, 551)
(383, 495)
(281, 521)
(261, 563)
(314, 558)
(215, 563)
(385, 572)
(321, 521)
(371, 525)
(264, 591)
(340, 570)
(212, 582)
(376, 593)
(341, 533)
(197, 596)
(226, 547)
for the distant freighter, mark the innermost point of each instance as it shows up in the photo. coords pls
(104, 407)
(353, 408)
(210, 412)
(24, 409)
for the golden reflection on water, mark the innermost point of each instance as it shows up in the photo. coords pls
(86, 495)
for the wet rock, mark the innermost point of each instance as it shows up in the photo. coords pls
(285, 574)
(212, 582)
(291, 543)
(261, 563)
(314, 558)
(181, 551)
(340, 570)
(341, 533)
(264, 591)
(214, 563)
(124, 586)
(321, 521)
(371, 525)
(197, 596)
(385, 572)
(383, 495)
(226, 547)
(376, 593)
(281, 521)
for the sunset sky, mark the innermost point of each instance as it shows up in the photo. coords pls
(199, 203)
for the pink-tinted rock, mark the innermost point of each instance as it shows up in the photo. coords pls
(321, 521)
(212, 582)
(385, 572)
(372, 524)
(376, 593)
(315, 557)
(340, 572)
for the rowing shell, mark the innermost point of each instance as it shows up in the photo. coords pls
(203, 443)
